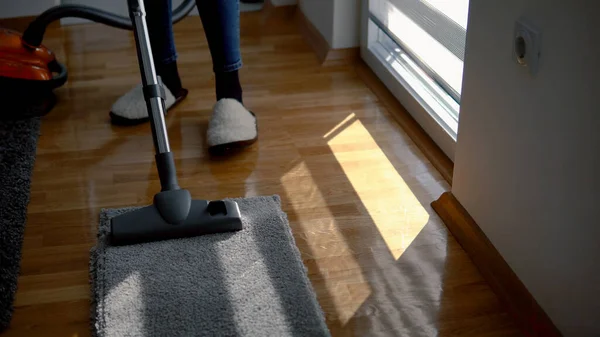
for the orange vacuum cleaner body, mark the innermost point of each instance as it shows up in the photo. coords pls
(28, 76)
(17, 60)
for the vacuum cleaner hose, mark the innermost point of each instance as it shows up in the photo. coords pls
(34, 34)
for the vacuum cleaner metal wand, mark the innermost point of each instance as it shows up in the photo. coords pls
(152, 88)
(174, 214)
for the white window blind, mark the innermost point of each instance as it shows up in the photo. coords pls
(422, 44)
(431, 32)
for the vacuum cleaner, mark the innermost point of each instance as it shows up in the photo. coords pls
(173, 213)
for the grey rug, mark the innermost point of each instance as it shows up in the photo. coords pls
(18, 140)
(248, 283)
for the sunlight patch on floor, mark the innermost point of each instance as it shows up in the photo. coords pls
(395, 210)
(339, 126)
(324, 248)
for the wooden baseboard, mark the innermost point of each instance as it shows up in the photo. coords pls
(326, 55)
(341, 56)
(314, 38)
(430, 149)
(527, 313)
(20, 24)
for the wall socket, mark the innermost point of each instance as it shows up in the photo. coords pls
(527, 46)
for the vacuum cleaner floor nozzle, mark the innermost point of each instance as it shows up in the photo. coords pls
(146, 224)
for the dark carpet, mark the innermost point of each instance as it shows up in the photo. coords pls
(18, 140)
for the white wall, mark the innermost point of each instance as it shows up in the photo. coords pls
(18, 8)
(527, 164)
(337, 20)
(320, 14)
(119, 7)
(284, 2)
(346, 24)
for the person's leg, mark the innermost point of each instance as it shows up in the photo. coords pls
(231, 126)
(221, 21)
(130, 108)
(160, 29)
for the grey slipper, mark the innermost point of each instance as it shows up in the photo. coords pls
(231, 127)
(130, 109)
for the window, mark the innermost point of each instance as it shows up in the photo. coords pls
(417, 49)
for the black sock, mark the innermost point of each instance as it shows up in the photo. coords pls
(228, 85)
(170, 76)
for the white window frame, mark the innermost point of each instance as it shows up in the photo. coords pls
(411, 89)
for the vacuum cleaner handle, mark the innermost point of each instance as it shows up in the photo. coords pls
(173, 203)
(154, 95)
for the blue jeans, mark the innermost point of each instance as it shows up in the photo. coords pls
(221, 21)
